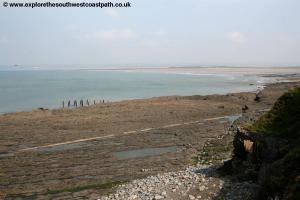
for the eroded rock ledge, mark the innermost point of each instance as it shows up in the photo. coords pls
(268, 151)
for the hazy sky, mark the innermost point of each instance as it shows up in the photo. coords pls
(154, 33)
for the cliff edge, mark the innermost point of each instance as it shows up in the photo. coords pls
(268, 151)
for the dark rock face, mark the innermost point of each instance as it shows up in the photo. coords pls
(262, 158)
(268, 152)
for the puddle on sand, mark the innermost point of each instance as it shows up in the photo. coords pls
(144, 152)
(232, 118)
(6, 155)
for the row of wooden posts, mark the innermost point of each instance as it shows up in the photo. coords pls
(81, 103)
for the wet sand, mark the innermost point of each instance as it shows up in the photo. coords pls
(276, 72)
(71, 153)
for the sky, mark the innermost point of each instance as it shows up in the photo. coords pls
(154, 33)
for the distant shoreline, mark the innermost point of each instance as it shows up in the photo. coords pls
(95, 67)
(216, 70)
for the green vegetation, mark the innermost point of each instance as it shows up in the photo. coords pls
(87, 187)
(283, 120)
(284, 179)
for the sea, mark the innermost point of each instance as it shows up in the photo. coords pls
(25, 90)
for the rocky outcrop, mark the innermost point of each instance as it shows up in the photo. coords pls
(253, 153)
(269, 154)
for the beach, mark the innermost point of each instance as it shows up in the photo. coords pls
(149, 100)
(221, 70)
(81, 153)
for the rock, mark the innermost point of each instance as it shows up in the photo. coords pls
(201, 188)
(133, 197)
(245, 108)
(257, 98)
(180, 183)
(157, 197)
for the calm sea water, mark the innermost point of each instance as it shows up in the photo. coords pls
(27, 90)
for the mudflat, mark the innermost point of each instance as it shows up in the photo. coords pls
(80, 153)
